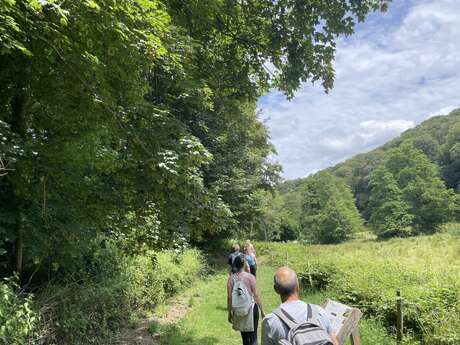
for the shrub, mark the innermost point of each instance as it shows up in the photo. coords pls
(95, 305)
(17, 319)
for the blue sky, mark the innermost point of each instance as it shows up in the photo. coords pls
(398, 69)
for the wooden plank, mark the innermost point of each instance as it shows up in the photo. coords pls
(349, 326)
(345, 319)
(355, 337)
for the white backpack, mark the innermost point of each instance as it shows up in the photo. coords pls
(242, 299)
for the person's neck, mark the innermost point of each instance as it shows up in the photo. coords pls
(291, 298)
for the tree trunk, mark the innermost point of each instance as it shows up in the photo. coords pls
(19, 106)
(19, 245)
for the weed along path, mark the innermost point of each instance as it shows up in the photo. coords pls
(199, 316)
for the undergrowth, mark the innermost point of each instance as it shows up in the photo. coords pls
(366, 274)
(91, 306)
(17, 319)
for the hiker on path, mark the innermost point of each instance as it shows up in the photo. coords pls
(231, 258)
(243, 302)
(294, 314)
(251, 247)
(250, 258)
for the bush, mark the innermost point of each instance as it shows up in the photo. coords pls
(95, 305)
(17, 319)
(156, 276)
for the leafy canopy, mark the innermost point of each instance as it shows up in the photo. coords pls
(407, 191)
(329, 214)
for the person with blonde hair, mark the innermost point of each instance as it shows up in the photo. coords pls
(251, 259)
(250, 246)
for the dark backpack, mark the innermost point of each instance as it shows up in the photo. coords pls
(308, 332)
(231, 260)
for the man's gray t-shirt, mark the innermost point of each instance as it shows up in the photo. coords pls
(273, 329)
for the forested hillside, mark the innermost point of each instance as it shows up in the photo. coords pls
(438, 138)
(130, 127)
(407, 186)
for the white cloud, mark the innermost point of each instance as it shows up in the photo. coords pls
(399, 69)
(396, 126)
(443, 111)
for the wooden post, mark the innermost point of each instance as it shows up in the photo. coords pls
(399, 317)
(355, 337)
(350, 328)
(287, 258)
(346, 320)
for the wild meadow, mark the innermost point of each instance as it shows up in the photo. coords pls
(367, 273)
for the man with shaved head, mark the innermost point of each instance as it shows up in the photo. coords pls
(274, 328)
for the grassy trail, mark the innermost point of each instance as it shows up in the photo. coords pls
(206, 320)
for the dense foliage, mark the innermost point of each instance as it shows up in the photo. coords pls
(366, 274)
(134, 123)
(116, 291)
(17, 319)
(403, 188)
(328, 213)
(438, 138)
(138, 118)
(280, 216)
(408, 195)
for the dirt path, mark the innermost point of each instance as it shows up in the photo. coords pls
(140, 335)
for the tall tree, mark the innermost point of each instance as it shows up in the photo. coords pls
(137, 119)
(411, 183)
(329, 214)
(390, 216)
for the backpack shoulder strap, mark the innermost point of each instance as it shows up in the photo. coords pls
(312, 316)
(309, 311)
(234, 280)
(284, 316)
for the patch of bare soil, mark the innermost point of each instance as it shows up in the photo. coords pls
(140, 334)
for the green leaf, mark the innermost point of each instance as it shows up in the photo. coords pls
(93, 5)
(64, 21)
(35, 4)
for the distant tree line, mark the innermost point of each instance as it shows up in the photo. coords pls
(406, 187)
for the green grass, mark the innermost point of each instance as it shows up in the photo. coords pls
(206, 321)
(366, 273)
